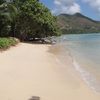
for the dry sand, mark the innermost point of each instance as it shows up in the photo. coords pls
(30, 70)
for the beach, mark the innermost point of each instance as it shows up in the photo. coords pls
(33, 70)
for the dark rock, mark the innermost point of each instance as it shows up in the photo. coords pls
(35, 98)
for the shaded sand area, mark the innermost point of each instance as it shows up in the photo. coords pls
(30, 70)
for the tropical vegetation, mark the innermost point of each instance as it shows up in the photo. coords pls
(26, 19)
(7, 42)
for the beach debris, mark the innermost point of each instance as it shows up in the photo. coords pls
(35, 98)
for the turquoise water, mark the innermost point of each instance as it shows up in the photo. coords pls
(85, 51)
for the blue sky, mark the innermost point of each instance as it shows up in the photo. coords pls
(90, 8)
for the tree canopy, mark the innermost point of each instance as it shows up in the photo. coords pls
(26, 19)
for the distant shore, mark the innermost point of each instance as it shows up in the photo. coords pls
(35, 70)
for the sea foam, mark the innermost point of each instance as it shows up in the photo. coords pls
(87, 77)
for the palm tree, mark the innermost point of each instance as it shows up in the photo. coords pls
(9, 11)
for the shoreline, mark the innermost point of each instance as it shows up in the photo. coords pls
(88, 78)
(33, 70)
(84, 75)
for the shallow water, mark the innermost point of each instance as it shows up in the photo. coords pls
(85, 50)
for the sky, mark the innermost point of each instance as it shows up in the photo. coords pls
(90, 8)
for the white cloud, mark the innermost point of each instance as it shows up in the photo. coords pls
(95, 4)
(66, 6)
(56, 2)
(71, 6)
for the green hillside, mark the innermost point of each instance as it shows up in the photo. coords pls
(77, 23)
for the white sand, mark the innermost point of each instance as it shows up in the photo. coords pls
(30, 70)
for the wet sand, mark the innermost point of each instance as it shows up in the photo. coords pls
(32, 70)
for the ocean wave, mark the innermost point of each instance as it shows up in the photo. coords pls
(87, 77)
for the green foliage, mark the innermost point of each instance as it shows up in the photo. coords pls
(35, 21)
(2, 1)
(26, 19)
(8, 13)
(4, 26)
(7, 42)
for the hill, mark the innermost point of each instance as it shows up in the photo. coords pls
(77, 23)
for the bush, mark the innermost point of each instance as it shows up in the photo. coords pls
(7, 42)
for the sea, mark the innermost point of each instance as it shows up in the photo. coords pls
(85, 51)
